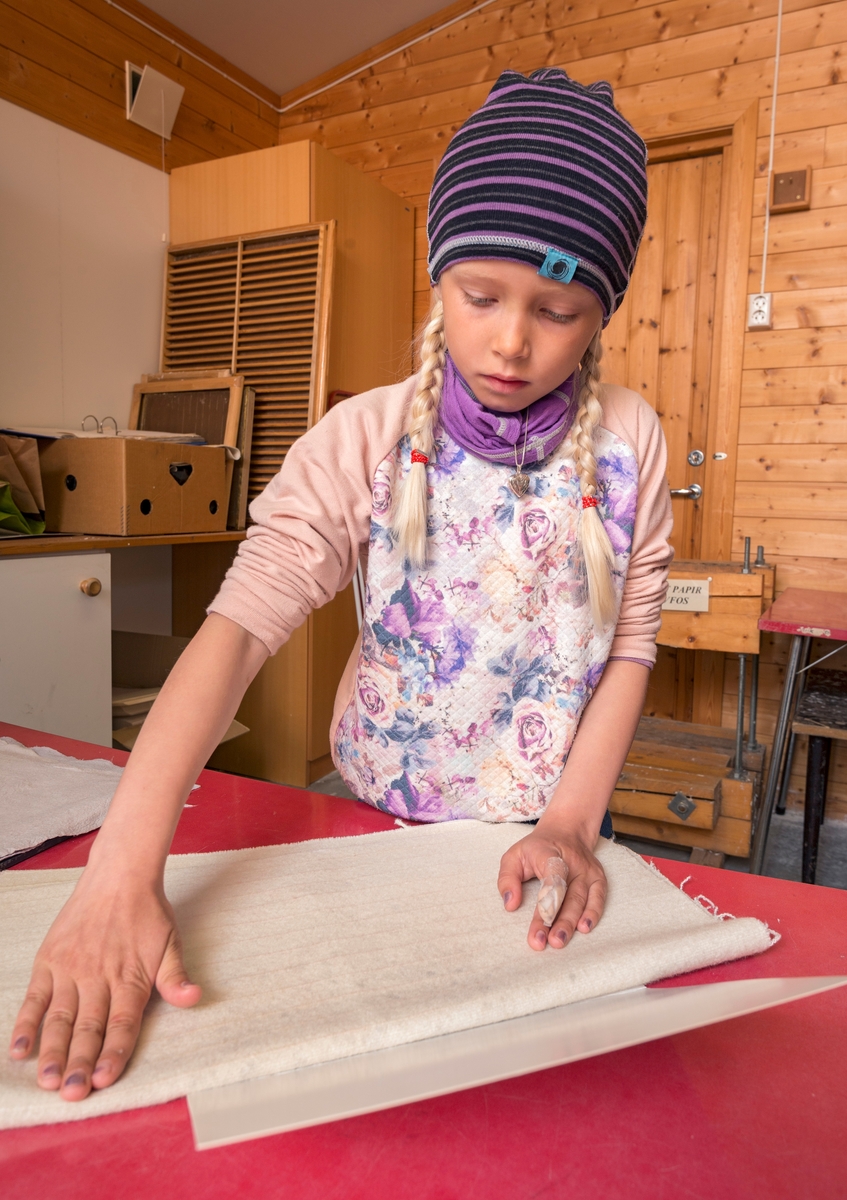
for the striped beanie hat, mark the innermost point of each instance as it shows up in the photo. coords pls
(547, 173)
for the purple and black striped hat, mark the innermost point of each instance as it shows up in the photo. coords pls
(547, 173)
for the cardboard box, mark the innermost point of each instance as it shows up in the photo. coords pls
(126, 487)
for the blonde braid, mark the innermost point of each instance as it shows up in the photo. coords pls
(410, 512)
(596, 548)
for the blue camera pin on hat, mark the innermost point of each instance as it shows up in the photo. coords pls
(559, 266)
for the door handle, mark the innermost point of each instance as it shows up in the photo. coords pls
(687, 493)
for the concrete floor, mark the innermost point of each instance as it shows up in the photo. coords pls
(782, 860)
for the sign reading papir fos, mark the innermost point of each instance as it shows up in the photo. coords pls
(687, 595)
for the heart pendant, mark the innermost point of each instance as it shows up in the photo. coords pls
(519, 484)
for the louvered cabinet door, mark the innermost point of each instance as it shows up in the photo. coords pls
(200, 297)
(258, 305)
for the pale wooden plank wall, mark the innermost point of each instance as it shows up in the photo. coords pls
(396, 119)
(64, 59)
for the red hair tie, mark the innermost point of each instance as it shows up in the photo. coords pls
(418, 456)
(589, 501)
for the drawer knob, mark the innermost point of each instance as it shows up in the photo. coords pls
(91, 587)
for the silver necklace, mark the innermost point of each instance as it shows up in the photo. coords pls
(519, 482)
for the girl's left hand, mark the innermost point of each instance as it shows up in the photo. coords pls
(585, 897)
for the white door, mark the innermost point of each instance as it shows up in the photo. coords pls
(56, 645)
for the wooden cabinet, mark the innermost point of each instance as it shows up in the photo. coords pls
(288, 708)
(55, 645)
(299, 184)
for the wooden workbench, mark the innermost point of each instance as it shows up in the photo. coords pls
(751, 1107)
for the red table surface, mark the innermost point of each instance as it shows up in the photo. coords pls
(809, 613)
(753, 1107)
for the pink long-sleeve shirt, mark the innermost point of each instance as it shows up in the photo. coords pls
(314, 517)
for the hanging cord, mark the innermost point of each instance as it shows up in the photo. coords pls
(317, 92)
(770, 151)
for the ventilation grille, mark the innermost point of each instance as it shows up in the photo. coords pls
(258, 306)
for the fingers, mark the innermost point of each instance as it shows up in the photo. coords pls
(86, 1038)
(124, 1025)
(35, 1005)
(56, 1035)
(172, 982)
(582, 909)
(514, 872)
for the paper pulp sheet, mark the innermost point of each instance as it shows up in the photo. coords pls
(320, 950)
(45, 794)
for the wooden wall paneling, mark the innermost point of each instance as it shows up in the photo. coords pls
(816, 307)
(806, 109)
(442, 106)
(812, 464)
(797, 269)
(804, 148)
(807, 424)
(615, 43)
(794, 385)
(795, 348)
(835, 146)
(814, 229)
(809, 571)
(799, 536)
(786, 500)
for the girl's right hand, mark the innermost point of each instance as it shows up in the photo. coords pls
(93, 975)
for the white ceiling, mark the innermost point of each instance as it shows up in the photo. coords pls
(283, 43)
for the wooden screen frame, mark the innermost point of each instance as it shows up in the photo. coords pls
(208, 383)
(323, 300)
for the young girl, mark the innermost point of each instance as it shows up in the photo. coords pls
(517, 517)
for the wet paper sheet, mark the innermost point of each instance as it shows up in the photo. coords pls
(320, 950)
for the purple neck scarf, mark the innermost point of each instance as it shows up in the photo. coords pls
(493, 435)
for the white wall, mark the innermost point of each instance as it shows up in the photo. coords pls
(81, 269)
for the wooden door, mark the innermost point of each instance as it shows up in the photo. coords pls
(660, 343)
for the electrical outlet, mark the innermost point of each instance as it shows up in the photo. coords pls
(759, 311)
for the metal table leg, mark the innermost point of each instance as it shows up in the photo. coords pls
(803, 675)
(752, 744)
(817, 772)
(757, 855)
(738, 771)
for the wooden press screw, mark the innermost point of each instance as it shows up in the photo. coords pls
(91, 587)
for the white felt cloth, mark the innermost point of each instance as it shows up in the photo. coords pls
(45, 794)
(324, 949)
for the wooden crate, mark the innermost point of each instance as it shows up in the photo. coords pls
(671, 757)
